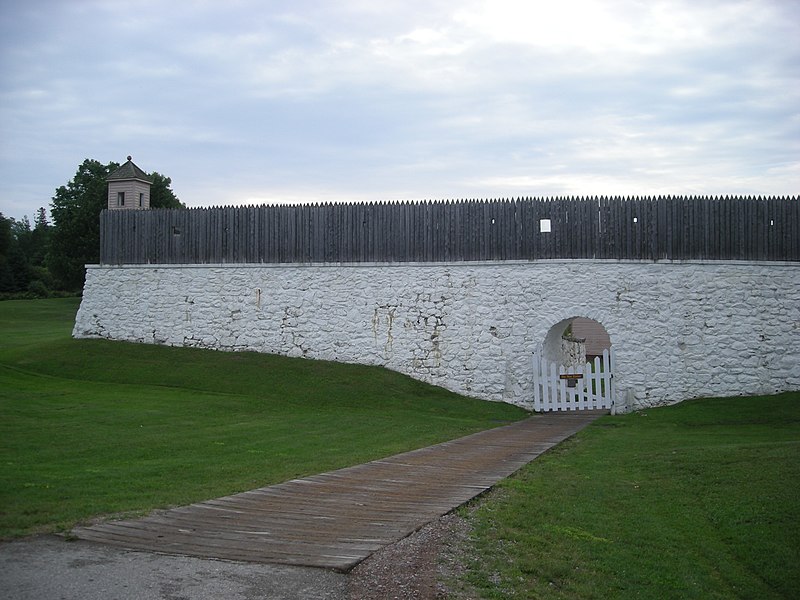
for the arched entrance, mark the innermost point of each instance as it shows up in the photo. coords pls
(574, 368)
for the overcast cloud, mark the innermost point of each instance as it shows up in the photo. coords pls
(365, 100)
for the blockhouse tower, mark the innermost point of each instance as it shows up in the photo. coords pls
(129, 188)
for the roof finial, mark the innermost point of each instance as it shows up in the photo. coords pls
(129, 157)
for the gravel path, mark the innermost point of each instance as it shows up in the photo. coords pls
(415, 568)
(51, 568)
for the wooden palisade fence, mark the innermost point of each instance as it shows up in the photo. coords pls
(662, 228)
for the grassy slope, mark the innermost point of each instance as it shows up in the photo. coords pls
(91, 427)
(698, 500)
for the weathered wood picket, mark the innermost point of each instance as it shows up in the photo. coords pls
(592, 387)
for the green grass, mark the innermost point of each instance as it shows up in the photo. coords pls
(697, 500)
(92, 427)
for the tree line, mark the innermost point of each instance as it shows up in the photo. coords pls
(44, 259)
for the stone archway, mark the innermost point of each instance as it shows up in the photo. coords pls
(574, 369)
(592, 333)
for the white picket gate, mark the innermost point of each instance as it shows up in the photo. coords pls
(591, 387)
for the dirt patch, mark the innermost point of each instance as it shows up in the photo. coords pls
(423, 566)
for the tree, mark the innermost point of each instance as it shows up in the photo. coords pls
(76, 208)
(7, 283)
(36, 250)
(17, 245)
(5, 234)
(20, 250)
(161, 196)
(40, 220)
(40, 239)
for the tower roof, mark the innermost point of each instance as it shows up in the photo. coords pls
(129, 171)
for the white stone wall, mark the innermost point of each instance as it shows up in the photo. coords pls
(679, 330)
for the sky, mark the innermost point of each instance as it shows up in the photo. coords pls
(272, 101)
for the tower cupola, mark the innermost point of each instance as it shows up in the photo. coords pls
(129, 188)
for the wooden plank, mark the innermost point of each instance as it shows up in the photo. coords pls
(617, 228)
(761, 249)
(773, 209)
(741, 228)
(689, 224)
(585, 385)
(790, 249)
(104, 238)
(724, 228)
(556, 229)
(337, 519)
(652, 229)
(587, 227)
(597, 384)
(747, 228)
(711, 228)
(602, 226)
(268, 241)
(204, 244)
(561, 397)
(790, 223)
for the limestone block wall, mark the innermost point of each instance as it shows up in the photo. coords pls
(679, 330)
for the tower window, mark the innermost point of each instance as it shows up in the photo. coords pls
(141, 199)
(120, 198)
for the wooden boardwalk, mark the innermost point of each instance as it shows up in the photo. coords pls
(335, 520)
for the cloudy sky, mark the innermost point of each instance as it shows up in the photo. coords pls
(248, 101)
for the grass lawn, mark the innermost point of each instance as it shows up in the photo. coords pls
(92, 427)
(697, 500)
